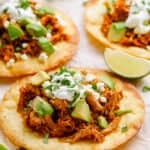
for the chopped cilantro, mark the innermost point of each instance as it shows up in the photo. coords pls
(124, 129)
(64, 69)
(76, 95)
(65, 82)
(24, 4)
(146, 88)
(46, 137)
(49, 87)
(94, 86)
(5, 10)
(86, 94)
(18, 49)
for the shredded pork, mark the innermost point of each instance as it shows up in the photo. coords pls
(56, 29)
(61, 124)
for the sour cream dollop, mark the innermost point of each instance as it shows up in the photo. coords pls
(139, 17)
(16, 12)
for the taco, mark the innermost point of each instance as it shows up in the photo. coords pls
(34, 37)
(120, 25)
(74, 109)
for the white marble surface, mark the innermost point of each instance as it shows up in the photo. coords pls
(89, 56)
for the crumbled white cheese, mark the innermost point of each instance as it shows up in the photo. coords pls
(15, 11)
(90, 77)
(48, 35)
(139, 16)
(78, 76)
(61, 21)
(101, 86)
(63, 93)
(10, 63)
(24, 45)
(6, 24)
(43, 57)
(103, 99)
(24, 56)
(46, 84)
(47, 93)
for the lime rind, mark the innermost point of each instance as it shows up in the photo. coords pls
(125, 65)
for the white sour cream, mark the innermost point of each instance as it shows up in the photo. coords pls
(69, 86)
(15, 11)
(138, 16)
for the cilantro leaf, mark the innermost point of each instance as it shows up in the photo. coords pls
(24, 4)
(124, 129)
(46, 137)
(146, 88)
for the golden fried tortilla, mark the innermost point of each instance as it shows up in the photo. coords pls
(13, 127)
(94, 13)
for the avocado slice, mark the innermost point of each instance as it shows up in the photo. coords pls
(39, 78)
(82, 111)
(2, 147)
(44, 10)
(102, 122)
(41, 107)
(14, 31)
(36, 29)
(108, 81)
(46, 45)
(117, 31)
(24, 21)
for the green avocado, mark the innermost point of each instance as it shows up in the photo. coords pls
(117, 31)
(41, 107)
(24, 21)
(36, 29)
(82, 111)
(46, 45)
(44, 10)
(102, 122)
(39, 78)
(2, 147)
(14, 31)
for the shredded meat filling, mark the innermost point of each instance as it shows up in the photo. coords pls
(6, 53)
(61, 124)
(56, 29)
(120, 13)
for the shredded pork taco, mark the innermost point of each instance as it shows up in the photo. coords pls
(34, 37)
(120, 24)
(72, 109)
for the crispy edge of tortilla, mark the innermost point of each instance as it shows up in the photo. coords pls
(64, 52)
(11, 122)
(93, 16)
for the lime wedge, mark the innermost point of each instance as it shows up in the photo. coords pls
(125, 65)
